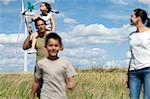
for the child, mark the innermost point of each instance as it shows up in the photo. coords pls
(58, 74)
(45, 9)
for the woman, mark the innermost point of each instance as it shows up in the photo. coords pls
(139, 65)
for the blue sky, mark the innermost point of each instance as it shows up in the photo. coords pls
(94, 32)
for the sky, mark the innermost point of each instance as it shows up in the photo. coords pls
(94, 32)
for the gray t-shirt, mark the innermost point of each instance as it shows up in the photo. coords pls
(54, 73)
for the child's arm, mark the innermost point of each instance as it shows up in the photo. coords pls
(34, 39)
(71, 83)
(71, 73)
(35, 17)
(35, 85)
(52, 23)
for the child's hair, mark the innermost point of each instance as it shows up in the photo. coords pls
(142, 13)
(37, 19)
(55, 36)
(48, 6)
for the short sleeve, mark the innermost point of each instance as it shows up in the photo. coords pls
(38, 72)
(49, 15)
(71, 70)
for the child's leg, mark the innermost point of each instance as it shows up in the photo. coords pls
(33, 50)
(33, 43)
(34, 40)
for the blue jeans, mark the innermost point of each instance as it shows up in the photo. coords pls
(136, 79)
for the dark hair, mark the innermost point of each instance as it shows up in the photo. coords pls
(48, 6)
(53, 35)
(142, 13)
(37, 19)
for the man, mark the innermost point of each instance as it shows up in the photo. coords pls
(40, 25)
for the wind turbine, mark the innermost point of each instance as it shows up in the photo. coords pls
(25, 20)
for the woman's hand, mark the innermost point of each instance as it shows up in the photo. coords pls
(126, 81)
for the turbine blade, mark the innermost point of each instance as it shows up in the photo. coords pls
(21, 23)
(22, 5)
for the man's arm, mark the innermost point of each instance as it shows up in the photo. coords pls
(35, 85)
(27, 42)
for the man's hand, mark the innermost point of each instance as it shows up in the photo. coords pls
(30, 30)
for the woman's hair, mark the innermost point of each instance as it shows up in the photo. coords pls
(37, 19)
(55, 36)
(48, 6)
(142, 13)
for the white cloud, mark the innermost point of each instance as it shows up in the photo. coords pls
(49, 1)
(86, 57)
(6, 2)
(95, 34)
(121, 2)
(70, 21)
(79, 57)
(11, 38)
(13, 55)
(78, 46)
(116, 63)
(145, 1)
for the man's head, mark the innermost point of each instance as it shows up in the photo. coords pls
(40, 24)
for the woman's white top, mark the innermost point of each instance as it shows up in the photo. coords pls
(140, 50)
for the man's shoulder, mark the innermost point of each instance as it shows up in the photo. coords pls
(48, 32)
(41, 61)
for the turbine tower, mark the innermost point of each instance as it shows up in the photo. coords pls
(24, 17)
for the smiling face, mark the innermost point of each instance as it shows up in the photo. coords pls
(53, 47)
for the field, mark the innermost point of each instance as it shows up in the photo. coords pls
(92, 84)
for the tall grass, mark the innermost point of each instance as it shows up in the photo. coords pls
(91, 84)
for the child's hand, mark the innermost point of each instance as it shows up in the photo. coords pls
(35, 17)
(30, 30)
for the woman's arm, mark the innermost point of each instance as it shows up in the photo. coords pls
(127, 81)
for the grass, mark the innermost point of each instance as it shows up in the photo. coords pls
(92, 84)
